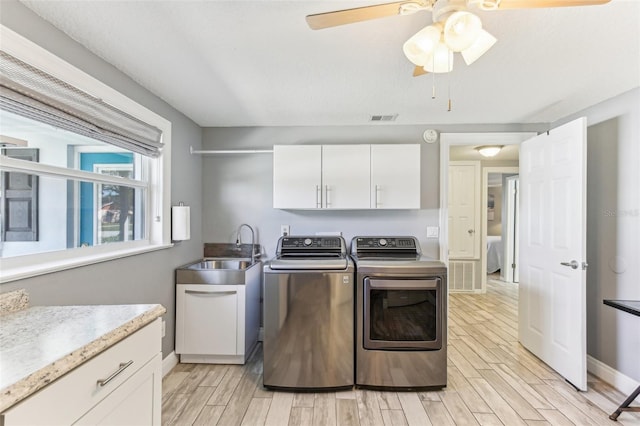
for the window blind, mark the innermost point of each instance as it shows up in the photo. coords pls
(32, 93)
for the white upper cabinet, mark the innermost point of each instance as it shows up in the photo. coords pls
(297, 176)
(395, 176)
(346, 177)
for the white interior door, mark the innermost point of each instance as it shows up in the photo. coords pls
(552, 290)
(464, 218)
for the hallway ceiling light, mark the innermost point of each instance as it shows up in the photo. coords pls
(489, 150)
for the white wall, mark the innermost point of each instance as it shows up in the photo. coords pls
(613, 229)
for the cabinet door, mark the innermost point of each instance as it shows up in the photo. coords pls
(395, 176)
(206, 319)
(297, 172)
(135, 402)
(346, 177)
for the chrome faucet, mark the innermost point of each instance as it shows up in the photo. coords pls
(239, 242)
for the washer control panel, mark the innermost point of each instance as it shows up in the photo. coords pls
(386, 243)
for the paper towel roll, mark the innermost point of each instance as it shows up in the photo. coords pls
(180, 223)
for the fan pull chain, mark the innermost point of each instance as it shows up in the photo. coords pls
(433, 85)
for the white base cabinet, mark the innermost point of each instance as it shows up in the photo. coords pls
(346, 177)
(133, 396)
(218, 323)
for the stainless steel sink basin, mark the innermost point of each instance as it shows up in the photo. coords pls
(229, 271)
(221, 264)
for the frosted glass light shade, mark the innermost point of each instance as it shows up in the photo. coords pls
(461, 30)
(420, 46)
(489, 150)
(441, 60)
(483, 43)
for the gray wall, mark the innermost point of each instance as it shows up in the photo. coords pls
(613, 229)
(145, 278)
(238, 187)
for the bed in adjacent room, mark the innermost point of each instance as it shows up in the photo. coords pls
(494, 253)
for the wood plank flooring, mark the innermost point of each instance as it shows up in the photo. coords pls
(492, 380)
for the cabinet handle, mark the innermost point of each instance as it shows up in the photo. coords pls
(318, 197)
(326, 196)
(123, 366)
(210, 292)
(377, 204)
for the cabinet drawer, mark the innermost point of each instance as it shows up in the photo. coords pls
(72, 395)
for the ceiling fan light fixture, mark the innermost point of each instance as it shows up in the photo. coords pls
(441, 60)
(484, 41)
(422, 44)
(484, 4)
(489, 150)
(461, 30)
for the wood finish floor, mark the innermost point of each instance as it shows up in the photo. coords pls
(492, 380)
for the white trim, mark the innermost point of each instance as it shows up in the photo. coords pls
(28, 269)
(450, 139)
(483, 219)
(9, 164)
(158, 213)
(623, 383)
(169, 362)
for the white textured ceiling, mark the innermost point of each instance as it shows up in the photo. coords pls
(256, 63)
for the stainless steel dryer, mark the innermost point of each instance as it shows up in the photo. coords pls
(401, 315)
(308, 315)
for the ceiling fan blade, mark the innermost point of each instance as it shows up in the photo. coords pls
(530, 4)
(358, 14)
(418, 71)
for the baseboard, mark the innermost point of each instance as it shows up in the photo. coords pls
(169, 362)
(623, 383)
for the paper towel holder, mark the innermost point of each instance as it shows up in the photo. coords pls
(180, 222)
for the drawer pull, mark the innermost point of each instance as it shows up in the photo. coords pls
(123, 366)
(221, 293)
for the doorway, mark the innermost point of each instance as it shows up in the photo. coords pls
(498, 254)
(473, 268)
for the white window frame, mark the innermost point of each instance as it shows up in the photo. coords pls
(158, 184)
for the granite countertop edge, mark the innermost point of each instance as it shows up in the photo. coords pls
(42, 377)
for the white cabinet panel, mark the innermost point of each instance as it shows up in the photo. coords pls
(297, 180)
(345, 176)
(208, 319)
(77, 395)
(129, 405)
(395, 176)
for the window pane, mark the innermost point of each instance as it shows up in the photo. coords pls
(62, 148)
(43, 214)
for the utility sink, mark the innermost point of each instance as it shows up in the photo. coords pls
(221, 264)
(223, 271)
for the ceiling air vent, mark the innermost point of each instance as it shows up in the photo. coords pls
(381, 117)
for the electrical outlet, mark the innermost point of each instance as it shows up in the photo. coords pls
(284, 230)
(433, 232)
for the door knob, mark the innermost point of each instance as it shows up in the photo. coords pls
(573, 264)
(471, 231)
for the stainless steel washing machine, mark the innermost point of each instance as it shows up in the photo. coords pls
(401, 314)
(308, 315)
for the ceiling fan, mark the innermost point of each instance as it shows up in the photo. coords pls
(454, 28)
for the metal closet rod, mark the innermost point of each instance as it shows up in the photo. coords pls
(231, 151)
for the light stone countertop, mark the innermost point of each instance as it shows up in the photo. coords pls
(42, 343)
